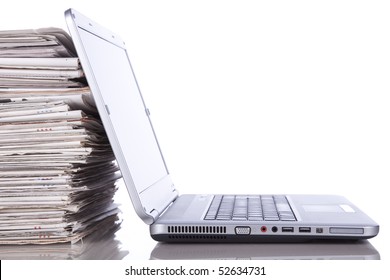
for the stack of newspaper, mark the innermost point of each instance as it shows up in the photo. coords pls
(57, 170)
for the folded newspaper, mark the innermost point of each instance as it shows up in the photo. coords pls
(57, 170)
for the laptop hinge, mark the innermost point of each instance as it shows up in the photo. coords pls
(155, 214)
(157, 197)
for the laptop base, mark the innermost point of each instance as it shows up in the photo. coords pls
(204, 238)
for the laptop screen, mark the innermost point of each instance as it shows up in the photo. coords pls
(127, 112)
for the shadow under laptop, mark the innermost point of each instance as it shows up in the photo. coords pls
(100, 245)
(354, 250)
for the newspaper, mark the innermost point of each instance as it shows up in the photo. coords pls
(38, 58)
(57, 170)
(45, 42)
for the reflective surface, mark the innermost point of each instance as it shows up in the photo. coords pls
(317, 251)
(109, 247)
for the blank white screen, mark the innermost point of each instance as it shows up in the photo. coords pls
(119, 91)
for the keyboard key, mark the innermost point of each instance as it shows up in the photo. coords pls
(271, 219)
(255, 218)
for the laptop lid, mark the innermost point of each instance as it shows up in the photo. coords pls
(125, 117)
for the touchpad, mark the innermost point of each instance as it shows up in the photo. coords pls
(322, 208)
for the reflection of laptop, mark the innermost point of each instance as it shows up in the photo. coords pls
(192, 218)
(362, 250)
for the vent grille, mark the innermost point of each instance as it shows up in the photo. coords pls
(197, 229)
(196, 237)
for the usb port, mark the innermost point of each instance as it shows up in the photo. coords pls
(287, 229)
(304, 229)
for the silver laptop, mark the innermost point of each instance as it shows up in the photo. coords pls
(192, 217)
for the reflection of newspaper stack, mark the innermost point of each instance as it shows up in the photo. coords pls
(100, 245)
(57, 170)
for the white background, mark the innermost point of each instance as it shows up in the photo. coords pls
(257, 96)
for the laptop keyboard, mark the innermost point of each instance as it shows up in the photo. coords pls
(250, 208)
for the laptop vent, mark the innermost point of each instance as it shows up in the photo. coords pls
(196, 237)
(197, 229)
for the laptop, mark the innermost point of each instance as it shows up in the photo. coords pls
(192, 217)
